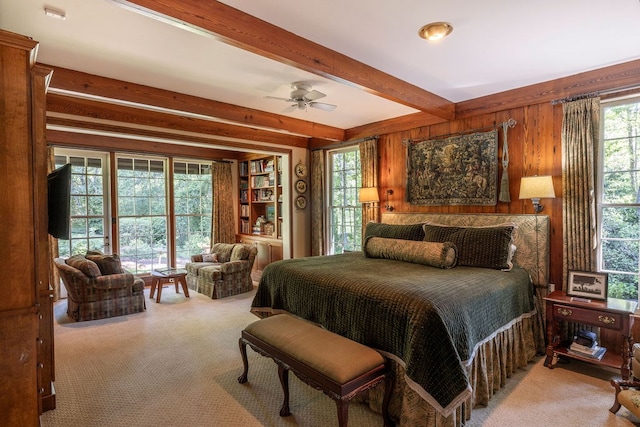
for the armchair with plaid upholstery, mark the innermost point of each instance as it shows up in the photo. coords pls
(98, 288)
(223, 272)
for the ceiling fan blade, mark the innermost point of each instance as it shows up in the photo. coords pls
(312, 95)
(322, 106)
(279, 98)
(290, 108)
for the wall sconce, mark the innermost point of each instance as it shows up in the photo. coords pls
(368, 195)
(388, 206)
(536, 188)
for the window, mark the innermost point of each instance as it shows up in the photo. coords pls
(142, 214)
(192, 199)
(619, 202)
(89, 229)
(345, 217)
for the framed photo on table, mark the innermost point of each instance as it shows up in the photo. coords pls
(589, 285)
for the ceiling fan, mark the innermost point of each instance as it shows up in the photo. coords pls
(302, 96)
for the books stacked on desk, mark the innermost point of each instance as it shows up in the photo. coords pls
(593, 352)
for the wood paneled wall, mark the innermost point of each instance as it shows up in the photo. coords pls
(534, 149)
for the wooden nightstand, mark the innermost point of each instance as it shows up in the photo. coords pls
(612, 314)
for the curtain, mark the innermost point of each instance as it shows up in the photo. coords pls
(369, 171)
(317, 203)
(580, 134)
(222, 218)
(54, 277)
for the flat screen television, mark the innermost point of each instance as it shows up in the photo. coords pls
(59, 202)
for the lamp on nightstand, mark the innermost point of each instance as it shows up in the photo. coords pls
(536, 188)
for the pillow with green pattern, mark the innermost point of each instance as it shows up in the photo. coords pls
(488, 247)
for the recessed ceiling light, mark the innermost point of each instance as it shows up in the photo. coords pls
(435, 30)
(55, 13)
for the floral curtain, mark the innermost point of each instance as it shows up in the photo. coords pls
(317, 203)
(580, 134)
(369, 170)
(222, 218)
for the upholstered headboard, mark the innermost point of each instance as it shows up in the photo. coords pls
(531, 236)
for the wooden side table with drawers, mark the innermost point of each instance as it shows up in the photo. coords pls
(613, 315)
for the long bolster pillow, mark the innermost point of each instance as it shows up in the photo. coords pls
(434, 254)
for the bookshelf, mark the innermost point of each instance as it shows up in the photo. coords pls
(260, 197)
(260, 187)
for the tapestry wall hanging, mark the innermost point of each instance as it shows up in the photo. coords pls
(457, 170)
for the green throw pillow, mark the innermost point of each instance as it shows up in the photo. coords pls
(488, 247)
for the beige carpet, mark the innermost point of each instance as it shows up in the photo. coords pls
(177, 364)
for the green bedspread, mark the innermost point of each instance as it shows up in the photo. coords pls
(430, 319)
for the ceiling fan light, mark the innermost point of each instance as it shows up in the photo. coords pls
(435, 30)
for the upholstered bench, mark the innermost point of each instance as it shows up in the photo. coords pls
(341, 368)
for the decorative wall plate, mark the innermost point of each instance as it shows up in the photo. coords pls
(301, 202)
(301, 186)
(301, 170)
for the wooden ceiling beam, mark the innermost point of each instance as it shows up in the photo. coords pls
(255, 35)
(68, 139)
(125, 114)
(615, 77)
(89, 84)
(218, 148)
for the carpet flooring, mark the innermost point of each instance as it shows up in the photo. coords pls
(177, 365)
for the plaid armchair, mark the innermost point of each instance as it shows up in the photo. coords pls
(97, 294)
(224, 272)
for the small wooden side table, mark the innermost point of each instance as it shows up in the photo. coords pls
(160, 277)
(612, 314)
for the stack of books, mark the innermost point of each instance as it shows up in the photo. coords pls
(593, 352)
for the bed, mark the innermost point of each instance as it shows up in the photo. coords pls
(444, 296)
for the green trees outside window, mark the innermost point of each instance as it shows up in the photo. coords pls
(192, 201)
(345, 217)
(619, 207)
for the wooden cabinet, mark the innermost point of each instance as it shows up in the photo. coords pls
(26, 329)
(260, 196)
(613, 317)
(269, 250)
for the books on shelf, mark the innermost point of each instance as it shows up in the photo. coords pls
(263, 180)
(262, 165)
(593, 352)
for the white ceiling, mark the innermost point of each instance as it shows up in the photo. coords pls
(496, 45)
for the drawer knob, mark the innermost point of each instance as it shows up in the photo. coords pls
(565, 311)
(607, 320)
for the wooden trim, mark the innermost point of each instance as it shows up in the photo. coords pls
(398, 124)
(255, 35)
(83, 83)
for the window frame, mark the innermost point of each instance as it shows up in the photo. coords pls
(602, 206)
(162, 261)
(356, 209)
(202, 166)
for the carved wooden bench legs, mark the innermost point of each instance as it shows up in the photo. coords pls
(340, 393)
